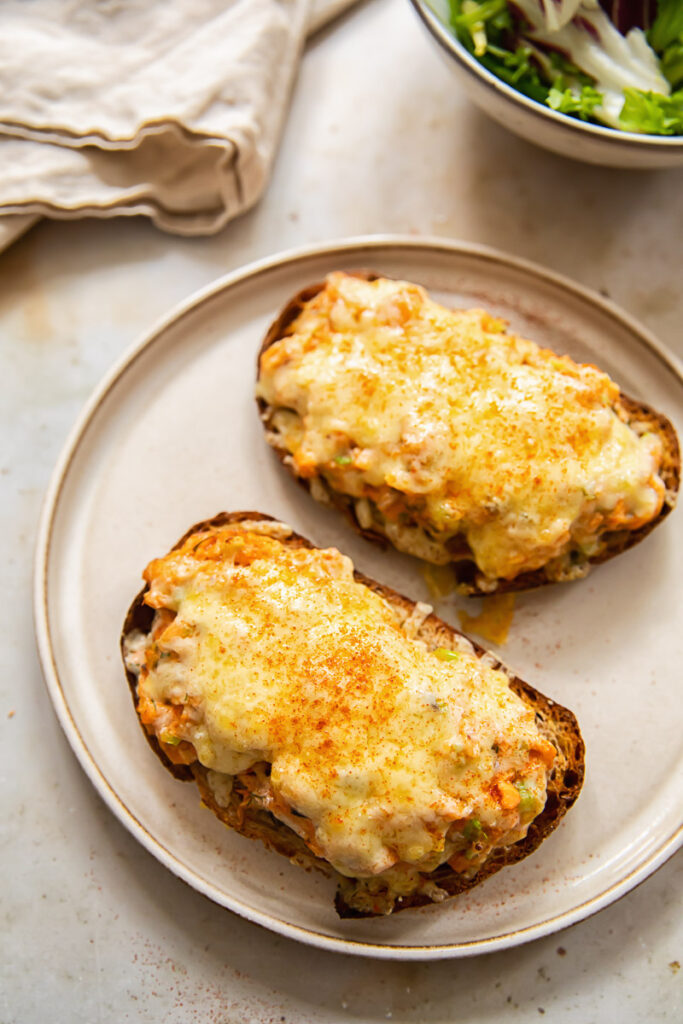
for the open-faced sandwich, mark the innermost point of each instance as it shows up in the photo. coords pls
(457, 441)
(340, 723)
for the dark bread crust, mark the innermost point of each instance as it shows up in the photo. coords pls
(556, 723)
(463, 564)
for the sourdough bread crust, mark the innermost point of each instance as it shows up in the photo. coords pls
(555, 722)
(463, 564)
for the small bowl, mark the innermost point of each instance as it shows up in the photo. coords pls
(542, 125)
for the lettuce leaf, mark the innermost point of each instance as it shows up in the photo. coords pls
(666, 38)
(517, 69)
(491, 22)
(667, 27)
(572, 101)
(652, 113)
(672, 63)
(468, 14)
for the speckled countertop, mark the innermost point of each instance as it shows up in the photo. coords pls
(93, 928)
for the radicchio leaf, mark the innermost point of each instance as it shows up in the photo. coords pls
(628, 14)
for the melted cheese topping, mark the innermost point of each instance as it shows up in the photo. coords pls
(276, 654)
(440, 425)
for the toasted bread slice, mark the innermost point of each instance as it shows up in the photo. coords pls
(242, 808)
(417, 533)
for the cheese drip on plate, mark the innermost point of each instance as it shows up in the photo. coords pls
(395, 754)
(441, 425)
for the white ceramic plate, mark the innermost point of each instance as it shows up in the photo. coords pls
(172, 436)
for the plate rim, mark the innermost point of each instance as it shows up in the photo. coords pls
(50, 672)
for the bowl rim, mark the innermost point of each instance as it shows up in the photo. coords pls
(455, 48)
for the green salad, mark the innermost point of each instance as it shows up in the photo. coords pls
(613, 62)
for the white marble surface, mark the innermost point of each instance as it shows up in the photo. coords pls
(93, 929)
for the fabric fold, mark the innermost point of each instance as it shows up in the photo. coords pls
(172, 110)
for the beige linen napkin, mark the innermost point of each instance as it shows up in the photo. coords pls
(124, 107)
